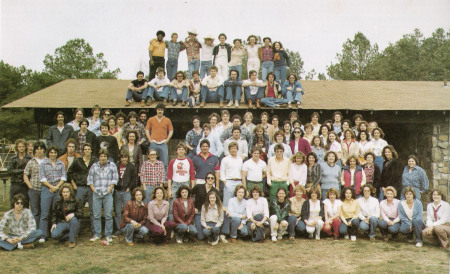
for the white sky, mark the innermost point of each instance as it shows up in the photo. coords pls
(121, 29)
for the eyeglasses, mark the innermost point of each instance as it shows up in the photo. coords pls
(296, 131)
(210, 178)
(18, 203)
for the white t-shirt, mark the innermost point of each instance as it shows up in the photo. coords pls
(230, 168)
(181, 170)
(332, 209)
(254, 170)
(206, 53)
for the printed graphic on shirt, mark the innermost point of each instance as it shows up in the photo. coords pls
(180, 169)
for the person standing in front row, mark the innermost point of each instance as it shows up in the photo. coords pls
(156, 52)
(159, 130)
(17, 164)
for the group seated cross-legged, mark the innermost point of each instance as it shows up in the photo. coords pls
(231, 179)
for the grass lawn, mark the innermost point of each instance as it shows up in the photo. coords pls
(324, 256)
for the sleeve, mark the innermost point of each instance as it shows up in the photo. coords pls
(318, 171)
(203, 217)
(176, 218)
(63, 172)
(31, 224)
(166, 214)
(303, 174)
(223, 166)
(191, 169)
(3, 223)
(418, 210)
(219, 147)
(170, 169)
(220, 81)
(126, 212)
(266, 208)
(42, 173)
(424, 180)
(151, 216)
(115, 174)
(79, 209)
(377, 208)
(205, 81)
(56, 213)
(220, 221)
(305, 211)
(401, 212)
(27, 169)
(90, 178)
(286, 210)
(50, 137)
(162, 172)
(360, 214)
(383, 214)
(288, 60)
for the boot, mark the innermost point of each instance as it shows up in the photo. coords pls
(257, 103)
(250, 104)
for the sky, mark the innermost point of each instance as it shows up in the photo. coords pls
(122, 29)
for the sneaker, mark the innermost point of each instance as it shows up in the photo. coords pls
(236, 103)
(142, 103)
(274, 239)
(353, 238)
(311, 235)
(72, 245)
(179, 241)
(127, 103)
(221, 104)
(95, 238)
(215, 242)
(202, 104)
(19, 246)
(317, 237)
(42, 240)
(230, 103)
(336, 238)
(253, 227)
(291, 239)
(223, 239)
(174, 102)
(149, 102)
(299, 105)
(172, 234)
(279, 237)
(419, 244)
(346, 237)
(130, 244)
(183, 103)
(109, 239)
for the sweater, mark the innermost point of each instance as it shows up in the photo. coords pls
(417, 212)
(330, 176)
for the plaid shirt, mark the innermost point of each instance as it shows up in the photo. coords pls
(102, 176)
(193, 51)
(192, 138)
(267, 54)
(173, 49)
(81, 142)
(32, 169)
(22, 228)
(152, 174)
(138, 127)
(52, 174)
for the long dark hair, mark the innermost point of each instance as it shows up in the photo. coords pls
(218, 201)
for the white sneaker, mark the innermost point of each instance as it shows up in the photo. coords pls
(230, 103)
(317, 237)
(19, 246)
(179, 241)
(42, 240)
(419, 244)
(346, 237)
(311, 235)
(215, 242)
(223, 239)
(353, 238)
(109, 239)
(274, 239)
(279, 237)
(172, 234)
(236, 103)
(93, 239)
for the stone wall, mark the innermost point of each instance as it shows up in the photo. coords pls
(440, 157)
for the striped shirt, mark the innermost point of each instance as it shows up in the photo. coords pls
(103, 176)
(173, 49)
(52, 174)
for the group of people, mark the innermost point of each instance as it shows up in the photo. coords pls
(215, 73)
(230, 178)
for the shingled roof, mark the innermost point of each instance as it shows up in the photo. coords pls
(353, 95)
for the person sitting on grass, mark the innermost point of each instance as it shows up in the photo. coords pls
(67, 214)
(236, 216)
(137, 90)
(134, 217)
(369, 212)
(158, 87)
(294, 219)
(257, 213)
(179, 89)
(389, 223)
(280, 209)
(349, 214)
(183, 215)
(332, 213)
(438, 218)
(212, 217)
(21, 232)
(411, 216)
(158, 213)
(313, 213)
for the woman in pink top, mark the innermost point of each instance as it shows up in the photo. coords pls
(158, 212)
(297, 172)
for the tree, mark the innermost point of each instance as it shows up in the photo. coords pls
(296, 66)
(321, 76)
(76, 60)
(355, 61)
(310, 75)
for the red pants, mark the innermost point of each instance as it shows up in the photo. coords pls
(157, 232)
(291, 189)
(334, 227)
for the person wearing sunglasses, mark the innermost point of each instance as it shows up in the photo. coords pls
(297, 143)
(21, 232)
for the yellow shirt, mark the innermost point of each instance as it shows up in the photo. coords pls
(278, 170)
(157, 48)
(350, 209)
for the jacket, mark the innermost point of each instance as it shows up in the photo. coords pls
(376, 175)
(348, 177)
(63, 208)
(64, 159)
(276, 90)
(134, 212)
(303, 146)
(391, 175)
(137, 155)
(16, 167)
(296, 85)
(417, 213)
(129, 180)
(179, 213)
(282, 213)
(91, 138)
(57, 138)
(78, 171)
(305, 211)
(216, 51)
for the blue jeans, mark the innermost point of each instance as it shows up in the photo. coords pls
(272, 102)
(180, 98)
(181, 231)
(292, 227)
(280, 73)
(381, 195)
(129, 231)
(171, 68)
(294, 96)
(371, 226)
(253, 97)
(84, 193)
(35, 204)
(163, 153)
(230, 227)
(266, 67)
(66, 230)
(213, 233)
(174, 188)
(379, 162)
(48, 201)
(237, 93)
(34, 235)
(148, 192)
(238, 68)
(120, 199)
(193, 65)
(351, 230)
(198, 226)
(417, 227)
(107, 202)
(158, 96)
(391, 229)
(416, 189)
(212, 96)
(228, 190)
(137, 96)
(204, 68)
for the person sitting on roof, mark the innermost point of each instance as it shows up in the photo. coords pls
(158, 87)
(179, 89)
(253, 89)
(137, 90)
(212, 88)
(293, 90)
